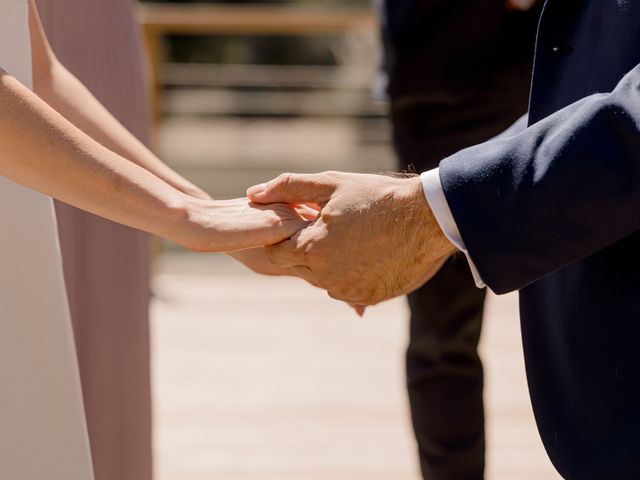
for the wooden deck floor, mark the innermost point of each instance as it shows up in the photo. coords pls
(268, 379)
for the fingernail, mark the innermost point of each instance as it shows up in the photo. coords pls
(257, 189)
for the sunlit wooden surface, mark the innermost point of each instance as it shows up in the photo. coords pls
(268, 379)
(254, 19)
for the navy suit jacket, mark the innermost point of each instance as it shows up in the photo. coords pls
(555, 213)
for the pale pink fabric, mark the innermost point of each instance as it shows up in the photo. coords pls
(106, 265)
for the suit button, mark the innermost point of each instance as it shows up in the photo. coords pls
(565, 49)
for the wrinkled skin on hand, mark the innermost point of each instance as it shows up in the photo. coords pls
(374, 239)
(256, 259)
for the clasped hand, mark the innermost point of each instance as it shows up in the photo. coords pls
(374, 237)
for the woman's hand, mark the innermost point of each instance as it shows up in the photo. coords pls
(256, 259)
(232, 225)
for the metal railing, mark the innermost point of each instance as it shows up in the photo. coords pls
(160, 20)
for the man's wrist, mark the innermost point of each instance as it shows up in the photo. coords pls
(439, 206)
(435, 240)
(440, 242)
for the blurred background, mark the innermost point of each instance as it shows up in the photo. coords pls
(268, 379)
(271, 86)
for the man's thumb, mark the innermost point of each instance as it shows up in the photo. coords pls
(294, 188)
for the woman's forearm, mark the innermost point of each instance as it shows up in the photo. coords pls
(69, 97)
(42, 150)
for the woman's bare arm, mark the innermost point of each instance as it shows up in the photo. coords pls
(69, 97)
(42, 150)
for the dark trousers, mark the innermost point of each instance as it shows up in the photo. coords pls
(444, 372)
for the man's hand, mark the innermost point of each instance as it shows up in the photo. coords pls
(256, 260)
(375, 238)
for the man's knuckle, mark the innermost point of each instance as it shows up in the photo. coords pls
(312, 247)
(334, 174)
(344, 287)
(371, 298)
(333, 218)
(329, 211)
(308, 249)
(283, 180)
(282, 220)
(335, 295)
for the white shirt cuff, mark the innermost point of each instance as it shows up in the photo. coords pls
(440, 207)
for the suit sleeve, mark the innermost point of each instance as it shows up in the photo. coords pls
(517, 128)
(559, 191)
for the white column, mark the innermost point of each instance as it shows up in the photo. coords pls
(42, 426)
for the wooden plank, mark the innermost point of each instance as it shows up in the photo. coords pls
(159, 20)
(252, 19)
(268, 379)
(341, 77)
